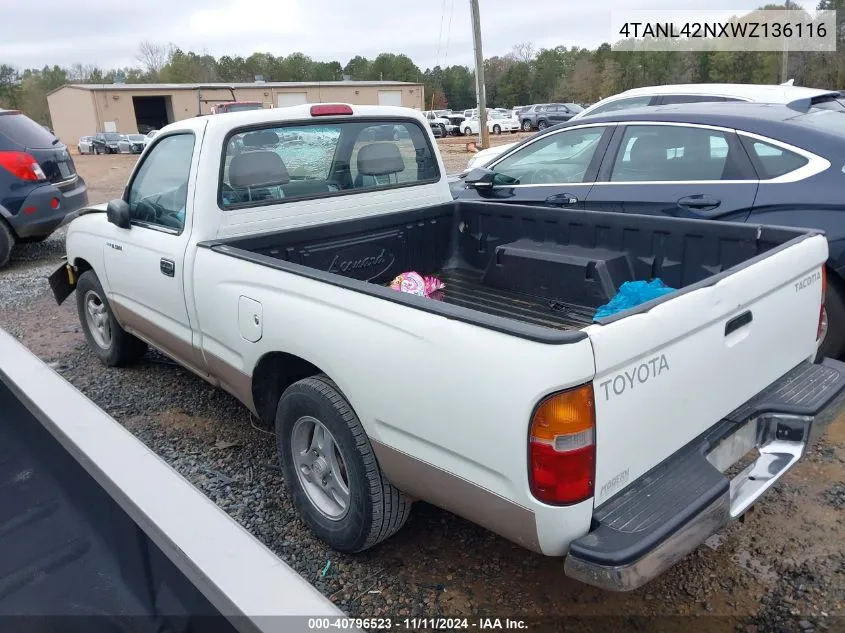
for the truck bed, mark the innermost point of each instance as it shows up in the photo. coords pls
(66, 548)
(99, 535)
(532, 271)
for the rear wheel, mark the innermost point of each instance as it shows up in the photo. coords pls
(833, 344)
(542, 125)
(7, 241)
(330, 470)
(113, 345)
(526, 126)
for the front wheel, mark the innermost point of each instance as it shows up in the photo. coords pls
(330, 471)
(467, 131)
(497, 129)
(113, 345)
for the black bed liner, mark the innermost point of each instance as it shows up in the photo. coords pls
(529, 271)
(70, 558)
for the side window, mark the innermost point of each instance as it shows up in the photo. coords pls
(563, 157)
(273, 165)
(672, 153)
(772, 161)
(159, 191)
(622, 104)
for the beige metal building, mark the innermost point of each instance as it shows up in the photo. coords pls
(80, 110)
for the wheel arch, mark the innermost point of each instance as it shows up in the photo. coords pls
(276, 371)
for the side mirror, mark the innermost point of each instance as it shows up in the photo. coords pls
(479, 177)
(117, 212)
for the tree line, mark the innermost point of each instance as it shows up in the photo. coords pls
(523, 76)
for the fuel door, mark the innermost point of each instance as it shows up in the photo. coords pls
(250, 319)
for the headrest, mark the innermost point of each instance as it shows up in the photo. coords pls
(257, 169)
(651, 147)
(379, 159)
(261, 138)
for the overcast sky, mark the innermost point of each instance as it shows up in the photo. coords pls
(107, 32)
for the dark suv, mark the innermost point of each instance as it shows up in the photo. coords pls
(39, 185)
(106, 143)
(543, 115)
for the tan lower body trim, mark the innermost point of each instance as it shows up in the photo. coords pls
(459, 496)
(217, 371)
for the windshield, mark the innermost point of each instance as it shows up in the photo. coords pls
(574, 107)
(112, 137)
(136, 137)
(498, 115)
(823, 119)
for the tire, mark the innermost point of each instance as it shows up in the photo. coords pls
(526, 126)
(443, 131)
(7, 241)
(467, 131)
(833, 345)
(119, 347)
(374, 509)
(542, 125)
(497, 129)
(95, 151)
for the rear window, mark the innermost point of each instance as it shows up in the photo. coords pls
(22, 130)
(277, 164)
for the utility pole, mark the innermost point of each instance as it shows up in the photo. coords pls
(785, 61)
(484, 134)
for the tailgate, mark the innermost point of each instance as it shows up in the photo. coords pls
(665, 376)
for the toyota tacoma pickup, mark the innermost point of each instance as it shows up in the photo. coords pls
(268, 271)
(99, 535)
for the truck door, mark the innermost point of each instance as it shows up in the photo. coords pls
(144, 264)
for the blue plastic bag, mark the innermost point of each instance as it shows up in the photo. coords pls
(633, 293)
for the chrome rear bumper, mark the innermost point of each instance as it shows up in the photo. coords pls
(671, 510)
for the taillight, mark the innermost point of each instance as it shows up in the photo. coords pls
(562, 448)
(330, 109)
(822, 328)
(22, 165)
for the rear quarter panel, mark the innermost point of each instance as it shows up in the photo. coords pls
(455, 396)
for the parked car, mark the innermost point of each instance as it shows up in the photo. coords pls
(497, 122)
(543, 115)
(137, 143)
(440, 118)
(781, 166)
(123, 145)
(106, 142)
(261, 299)
(693, 93)
(85, 145)
(39, 185)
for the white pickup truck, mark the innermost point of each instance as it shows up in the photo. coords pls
(257, 249)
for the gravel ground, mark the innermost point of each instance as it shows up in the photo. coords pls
(782, 569)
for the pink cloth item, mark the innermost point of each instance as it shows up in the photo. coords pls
(415, 284)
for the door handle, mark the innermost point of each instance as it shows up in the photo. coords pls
(699, 202)
(167, 267)
(738, 322)
(561, 200)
